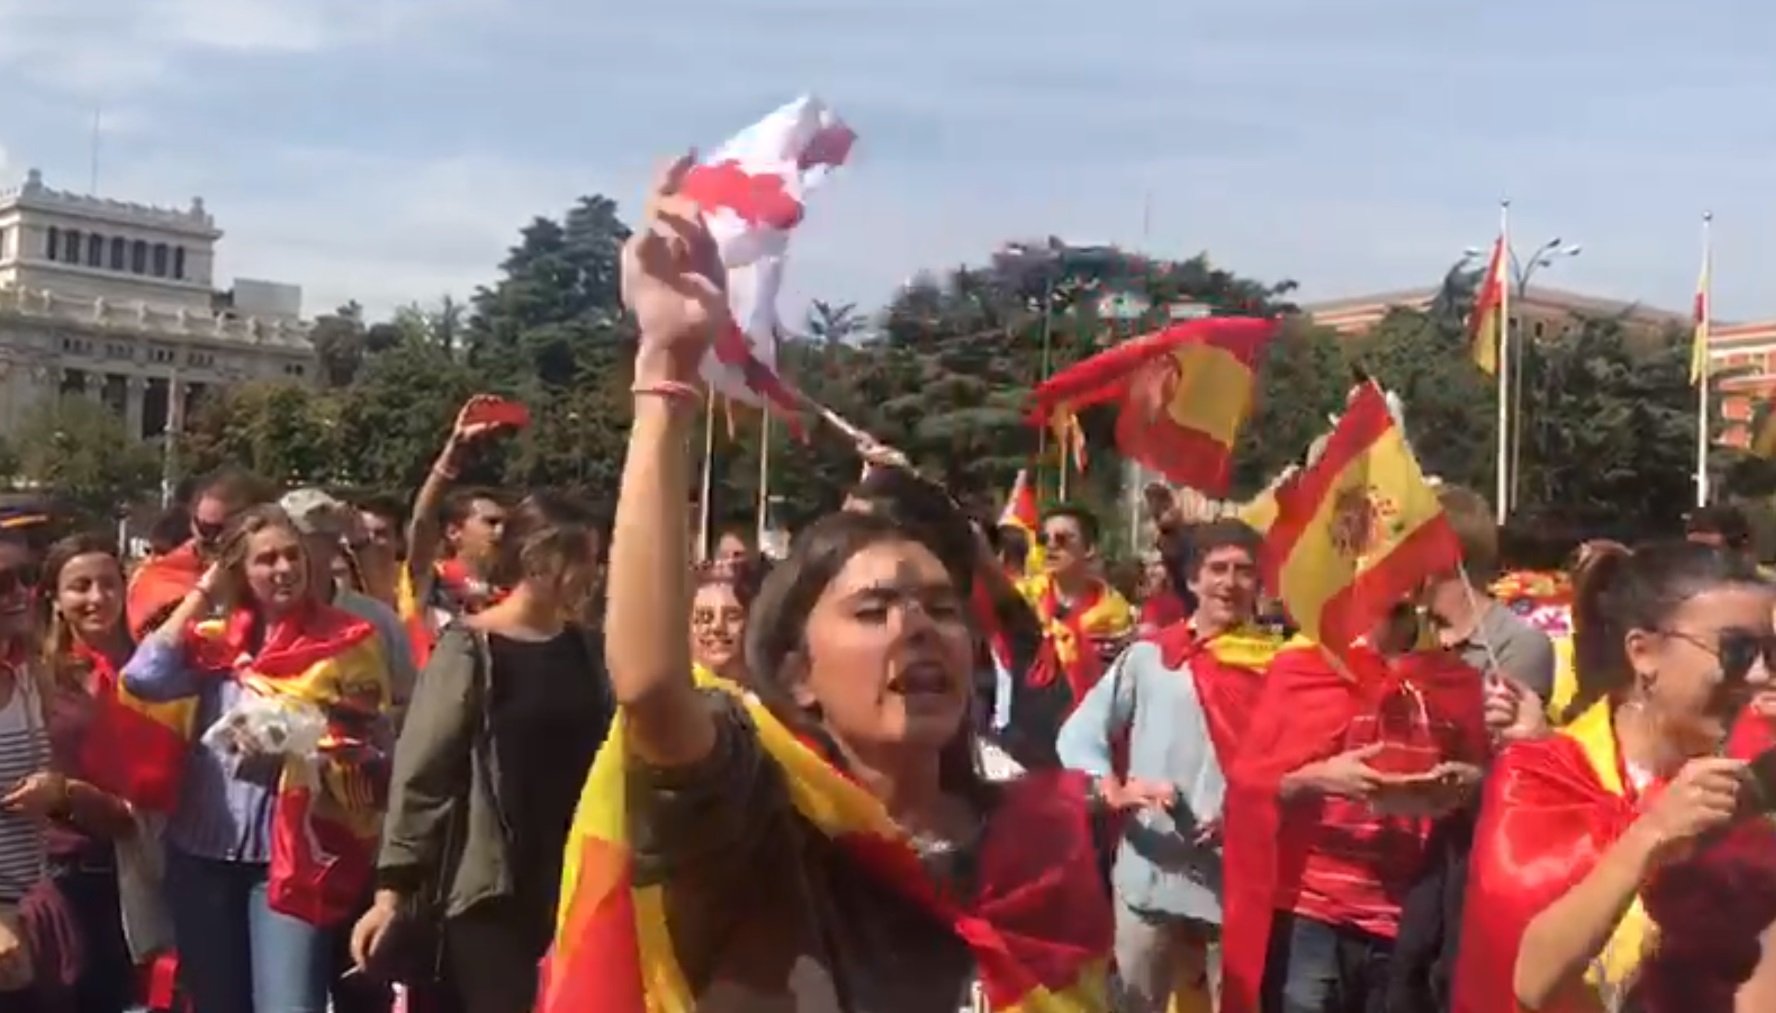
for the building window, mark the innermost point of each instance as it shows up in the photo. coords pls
(138, 257)
(115, 393)
(71, 246)
(1540, 328)
(294, 369)
(161, 355)
(119, 253)
(73, 382)
(179, 262)
(52, 246)
(160, 260)
(95, 250)
(154, 408)
(201, 360)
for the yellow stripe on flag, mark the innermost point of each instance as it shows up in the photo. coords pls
(1214, 392)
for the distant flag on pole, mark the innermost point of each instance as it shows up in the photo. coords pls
(1699, 344)
(752, 192)
(1486, 325)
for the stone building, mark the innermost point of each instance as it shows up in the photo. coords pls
(118, 301)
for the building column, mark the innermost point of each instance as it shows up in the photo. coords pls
(136, 386)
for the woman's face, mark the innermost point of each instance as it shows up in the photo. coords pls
(888, 651)
(89, 595)
(1705, 666)
(718, 627)
(276, 570)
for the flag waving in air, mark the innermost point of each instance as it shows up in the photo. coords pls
(1356, 529)
(752, 192)
(1699, 342)
(1486, 324)
(1185, 393)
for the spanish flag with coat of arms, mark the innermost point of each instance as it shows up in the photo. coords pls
(1357, 529)
(1185, 393)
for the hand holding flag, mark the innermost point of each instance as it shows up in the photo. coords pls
(672, 282)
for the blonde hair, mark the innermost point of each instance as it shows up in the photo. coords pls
(231, 555)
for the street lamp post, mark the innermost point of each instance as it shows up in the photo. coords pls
(1522, 270)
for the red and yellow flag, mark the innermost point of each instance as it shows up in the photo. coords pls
(1486, 324)
(1185, 392)
(1022, 513)
(1041, 941)
(1356, 529)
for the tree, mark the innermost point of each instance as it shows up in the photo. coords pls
(339, 344)
(76, 448)
(1449, 406)
(284, 431)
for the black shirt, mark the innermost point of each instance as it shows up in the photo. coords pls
(550, 709)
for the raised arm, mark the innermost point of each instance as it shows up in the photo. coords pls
(424, 528)
(671, 282)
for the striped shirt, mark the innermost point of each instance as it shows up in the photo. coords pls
(24, 750)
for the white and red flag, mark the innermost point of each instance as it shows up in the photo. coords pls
(752, 191)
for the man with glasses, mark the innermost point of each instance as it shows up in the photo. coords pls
(162, 582)
(1088, 622)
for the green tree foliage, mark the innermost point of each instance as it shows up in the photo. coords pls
(284, 431)
(78, 449)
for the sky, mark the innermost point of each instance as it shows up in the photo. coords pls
(390, 150)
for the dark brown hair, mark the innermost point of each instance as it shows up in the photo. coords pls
(1617, 591)
(778, 625)
(545, 535)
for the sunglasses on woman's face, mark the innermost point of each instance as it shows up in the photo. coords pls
(1738, 650)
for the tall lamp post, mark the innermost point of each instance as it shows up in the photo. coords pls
(1522, 270)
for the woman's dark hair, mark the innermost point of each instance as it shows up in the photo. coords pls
(745, 578)
(777, 627)
(927, 514)
(1617, 591)
(542, 537)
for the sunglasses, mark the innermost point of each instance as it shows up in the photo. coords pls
(1057, 539)
(1737, 651)
(208, 532)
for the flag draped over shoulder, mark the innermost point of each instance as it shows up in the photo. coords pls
(1184, 394)
(1356, 529)
(1040, 933)
(1486, 324)
(328, 809)
(1304, 711)
(1068, 633)
(752, 192)
(159, 584)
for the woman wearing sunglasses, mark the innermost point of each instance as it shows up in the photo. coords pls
(1614, 867)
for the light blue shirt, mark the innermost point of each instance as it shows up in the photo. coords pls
(1159, 870)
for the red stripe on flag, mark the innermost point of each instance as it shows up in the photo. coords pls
(1363, 424)
(1350, 613)
(596, 961)
(1188, 457)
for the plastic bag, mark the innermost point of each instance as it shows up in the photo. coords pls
(260, 725)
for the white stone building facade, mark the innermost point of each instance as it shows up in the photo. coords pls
(118, 301)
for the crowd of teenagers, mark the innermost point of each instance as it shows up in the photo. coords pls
(313, 754)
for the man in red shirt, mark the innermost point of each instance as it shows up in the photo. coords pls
(1330, 802)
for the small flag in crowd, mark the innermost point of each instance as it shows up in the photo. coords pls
(1022, 513)
(1356, 529)
(1185, 393)
(1486, 325)
(752, 192)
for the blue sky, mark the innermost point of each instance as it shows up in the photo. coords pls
(389, 150)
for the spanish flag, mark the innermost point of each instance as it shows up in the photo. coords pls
(1184, 392)
(1039, 927)
(1022, 513)
(1486, 325)
(1356, 529)
(1761, 441)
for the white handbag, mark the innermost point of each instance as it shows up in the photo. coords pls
(141, 868)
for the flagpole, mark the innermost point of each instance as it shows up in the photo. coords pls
(1700, 353)
(1503, 490)
(708, 469)
(764, 491)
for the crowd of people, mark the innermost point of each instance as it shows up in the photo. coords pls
(314, 754)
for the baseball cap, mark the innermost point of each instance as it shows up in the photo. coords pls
(314, 512)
